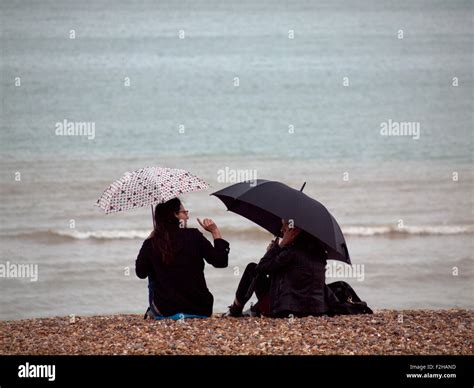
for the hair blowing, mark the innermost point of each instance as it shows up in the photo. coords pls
(166, 223)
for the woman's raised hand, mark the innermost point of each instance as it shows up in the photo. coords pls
(289, 236)
(210, 226)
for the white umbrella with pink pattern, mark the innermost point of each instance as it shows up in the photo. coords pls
(147, 187)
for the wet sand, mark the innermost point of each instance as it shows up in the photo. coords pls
(386, 332)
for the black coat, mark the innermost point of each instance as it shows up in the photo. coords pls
(297, 280)
(181, 287)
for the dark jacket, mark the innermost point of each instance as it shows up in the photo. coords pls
(297, 279)
(180, 287)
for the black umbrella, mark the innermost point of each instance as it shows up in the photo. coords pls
(268, 202)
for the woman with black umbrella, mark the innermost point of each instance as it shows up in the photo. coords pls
(288, 280)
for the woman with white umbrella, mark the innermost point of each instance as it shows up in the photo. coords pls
(173, 256)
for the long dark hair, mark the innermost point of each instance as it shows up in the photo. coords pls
(166, 224)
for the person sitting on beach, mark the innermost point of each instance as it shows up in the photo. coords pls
(288, 280)
(172, 258)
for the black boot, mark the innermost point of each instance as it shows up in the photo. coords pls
(234, 311)
(253, 311)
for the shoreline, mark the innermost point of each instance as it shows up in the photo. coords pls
(386, 332)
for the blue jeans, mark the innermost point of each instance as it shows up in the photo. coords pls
(156, 315)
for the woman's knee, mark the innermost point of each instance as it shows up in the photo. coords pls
(251, 267)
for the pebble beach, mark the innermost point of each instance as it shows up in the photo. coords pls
(386, 332)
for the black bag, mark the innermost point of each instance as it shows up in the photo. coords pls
(342, 300)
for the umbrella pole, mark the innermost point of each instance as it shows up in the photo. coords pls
(302, 187)
(153, 216)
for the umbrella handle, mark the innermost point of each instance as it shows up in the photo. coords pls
(275, 240)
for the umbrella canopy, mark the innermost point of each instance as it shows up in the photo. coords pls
(148, 186)
(267, 202)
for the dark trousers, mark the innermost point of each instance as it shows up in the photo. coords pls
(151, 287)
(252, 282)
